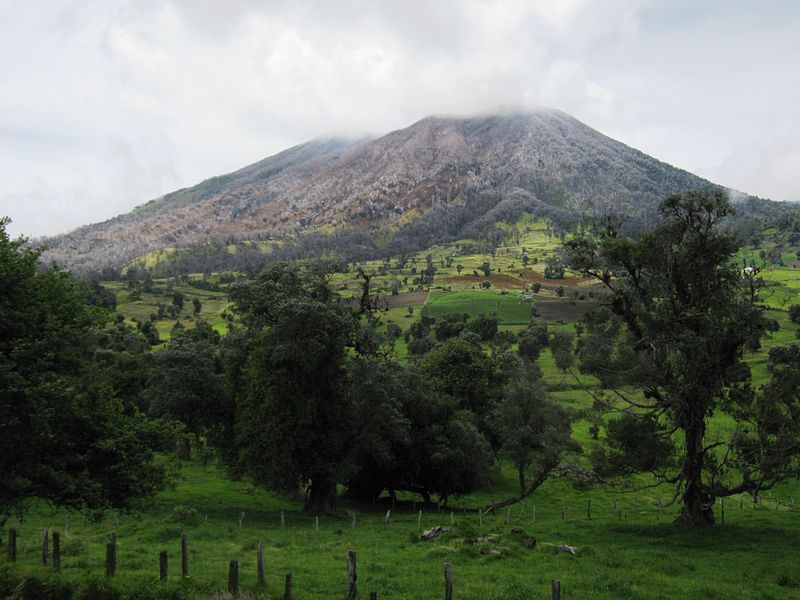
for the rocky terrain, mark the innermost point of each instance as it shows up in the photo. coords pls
(441, 176)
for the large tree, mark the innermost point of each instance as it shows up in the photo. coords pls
(66, 433)
(680, 319)
(534, 431)
(293, 413)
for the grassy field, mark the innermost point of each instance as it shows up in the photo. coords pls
(634, 553)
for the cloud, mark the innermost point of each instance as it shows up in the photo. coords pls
(116, 102)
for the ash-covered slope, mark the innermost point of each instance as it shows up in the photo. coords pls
(439, 178)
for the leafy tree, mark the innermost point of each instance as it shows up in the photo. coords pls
(293, 418)
(685, 318)
(65, 435)
(410, 437)
(794, 313)
(186, 383)
(486, 268)
(534, 431)
(450, 326)
(532, 340)
(485, 327)
(177, 300)
(198, 306)
(561, 346)
(420, 346)
(462, 371)
(554, 268)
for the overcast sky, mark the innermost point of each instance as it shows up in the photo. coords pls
(107, 104)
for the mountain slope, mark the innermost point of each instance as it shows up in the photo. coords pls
(441, 177)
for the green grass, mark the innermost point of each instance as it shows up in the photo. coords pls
(639, 556)
(509, 308)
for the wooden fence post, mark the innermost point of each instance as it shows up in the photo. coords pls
(287, 588)
(233, 578)
(534, 515)
(556, 589)
(589, 509)
(722, 510)
(283, 520)
(354, 520)
(45, 547)
(494, 508)
(563, 516)
(241, 518)
(388, 517)
(12, 544)
(262, 579)
(111, 556)
(448, 582)
(56, 550)
(352, 588)
(419, 520)
(184, 555)
(480, 517)
(508, 517)
(162, 565)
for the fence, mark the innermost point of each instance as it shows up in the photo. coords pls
(51, 553)
(233, 567)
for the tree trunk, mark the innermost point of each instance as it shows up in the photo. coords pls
(544, 472)
(321, 497)
(696, 502)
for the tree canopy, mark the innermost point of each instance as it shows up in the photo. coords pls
(680, 318)
(67, 434)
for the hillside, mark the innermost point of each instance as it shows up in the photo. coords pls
(437, 180)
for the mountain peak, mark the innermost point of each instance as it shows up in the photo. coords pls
(442, 177)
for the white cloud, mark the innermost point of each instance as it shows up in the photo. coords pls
(108, 104)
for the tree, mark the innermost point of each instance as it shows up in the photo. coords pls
(485, 327)
(186, 383)
(534, 431)
(450, 325)
(486, 268)
(293, 418)
(410, 437)
(794, 313)
(462, 371)
(66, 434)
(683, 318)
(561, 346)
(198, 306)
(554, 268)
(532, 340)
(177, 300)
